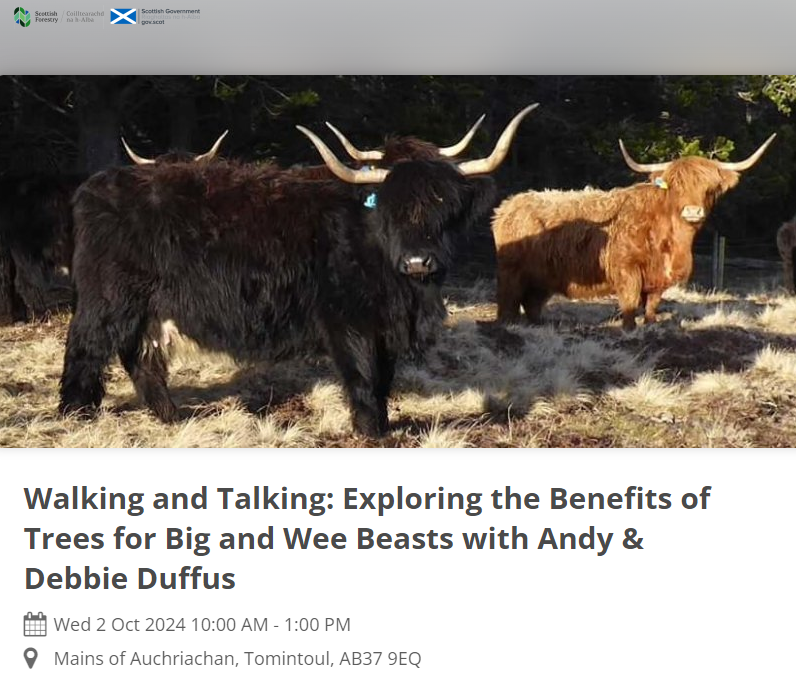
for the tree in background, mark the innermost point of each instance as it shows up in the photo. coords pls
(73, 124)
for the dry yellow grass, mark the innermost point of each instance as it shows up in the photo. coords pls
(717, 383)
(439, 435)
(648, 393)
(718, 370)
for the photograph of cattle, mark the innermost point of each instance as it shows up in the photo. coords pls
(262, 261)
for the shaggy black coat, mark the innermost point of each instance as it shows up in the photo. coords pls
(35, 241)
(256, 262)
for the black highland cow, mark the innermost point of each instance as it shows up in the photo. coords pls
(396, 149)
(35, 243)
(175, 156)
(399, 148)
(36, 236)
(257, 262)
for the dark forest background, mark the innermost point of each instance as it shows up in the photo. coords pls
(73, 124)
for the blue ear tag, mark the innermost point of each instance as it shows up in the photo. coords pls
(370, 202)
(660, 183)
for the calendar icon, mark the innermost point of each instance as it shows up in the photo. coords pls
(35, 625)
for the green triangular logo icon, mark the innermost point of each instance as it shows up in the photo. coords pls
(21, 16)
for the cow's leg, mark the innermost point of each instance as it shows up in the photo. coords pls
(148, 369)
(509, 294)
(35, 277)
(355, 355)
(385, 374)
(532, 302)
(5, 279)
(629, 297)
(11, 302)
(90, 344)
(19, 309)
(650, 302)
(790, 278)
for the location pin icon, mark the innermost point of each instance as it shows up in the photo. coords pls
(30, 656)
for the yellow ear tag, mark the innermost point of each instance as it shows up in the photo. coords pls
(660, 183)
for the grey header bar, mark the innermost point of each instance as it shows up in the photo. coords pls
(405, 37)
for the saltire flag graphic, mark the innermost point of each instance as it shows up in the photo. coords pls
(123, 16)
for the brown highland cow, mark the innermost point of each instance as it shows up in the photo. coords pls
(786, 243)
(633, 242)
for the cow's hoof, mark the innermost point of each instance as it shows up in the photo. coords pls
(75, 410)
(166, 412)
(369, 426)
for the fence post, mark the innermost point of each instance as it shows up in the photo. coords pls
(714, 273)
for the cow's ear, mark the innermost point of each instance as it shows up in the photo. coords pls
(482, 197)
(729, 178)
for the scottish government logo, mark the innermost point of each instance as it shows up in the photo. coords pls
(123, 17)
(22, 16)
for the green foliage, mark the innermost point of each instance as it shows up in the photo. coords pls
(307, 98)
(659, 146)
(571, 141)
(654, 144)
(781, 90)
(677, 146)
(228, 92)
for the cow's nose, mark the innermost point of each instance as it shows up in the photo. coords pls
(693, 214)
(418, 265)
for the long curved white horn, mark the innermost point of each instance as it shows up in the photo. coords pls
(641, 167)
(137, 159)
(484, 166)
(342, 171)
(456, 149)
(352, 150)
(213, 150)
(751, 160)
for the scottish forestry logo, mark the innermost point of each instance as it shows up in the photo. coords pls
(123, 17)
(22, 16)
